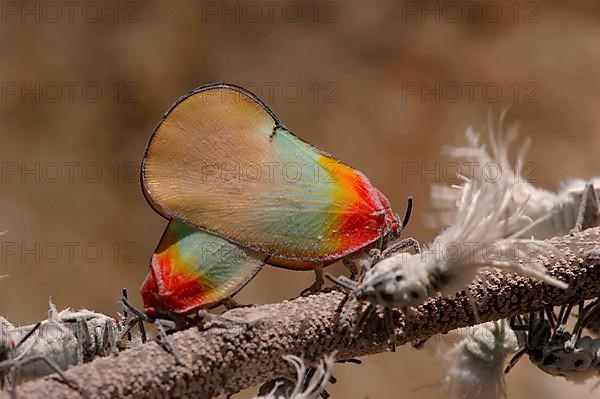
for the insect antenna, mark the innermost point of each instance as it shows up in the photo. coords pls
(408, 213)
(384, 241)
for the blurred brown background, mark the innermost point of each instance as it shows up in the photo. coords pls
(380, 85)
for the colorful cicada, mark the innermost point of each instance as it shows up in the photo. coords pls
(241, 191)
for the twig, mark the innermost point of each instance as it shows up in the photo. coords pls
(228, 357)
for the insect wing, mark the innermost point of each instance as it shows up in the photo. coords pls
(194, 269)
(221, 161)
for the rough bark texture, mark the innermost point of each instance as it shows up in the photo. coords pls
(224, 358)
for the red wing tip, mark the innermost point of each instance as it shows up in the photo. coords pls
(154, 302)
(149, 291)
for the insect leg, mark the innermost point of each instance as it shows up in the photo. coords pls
(400, 245)
(14, 378)
(588, 214)
(129, 326)
(517, 323)
(350, 265)
(530, 329)
(374, 256)
(109, 339)
(138, 318)
(124, 292)
(225, 321)
(362, 320)
(347, 301)
(565, 312)
(570, 344)
(360, 262)
(592, 312)
(231, 303)
(551, 317)
(318, 284)
(561, 315)
(80, 338)
(513, 361)
(15, 366)
(520, 330)
(343, 282)
(164, 340)
(142, 331)
(528, 341)
(84, 341)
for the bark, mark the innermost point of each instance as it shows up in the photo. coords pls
(224, 358)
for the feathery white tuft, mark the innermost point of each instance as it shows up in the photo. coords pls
(314, 387)
(478, 239)
(477, 370)
(554, 213)
(486, 220)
